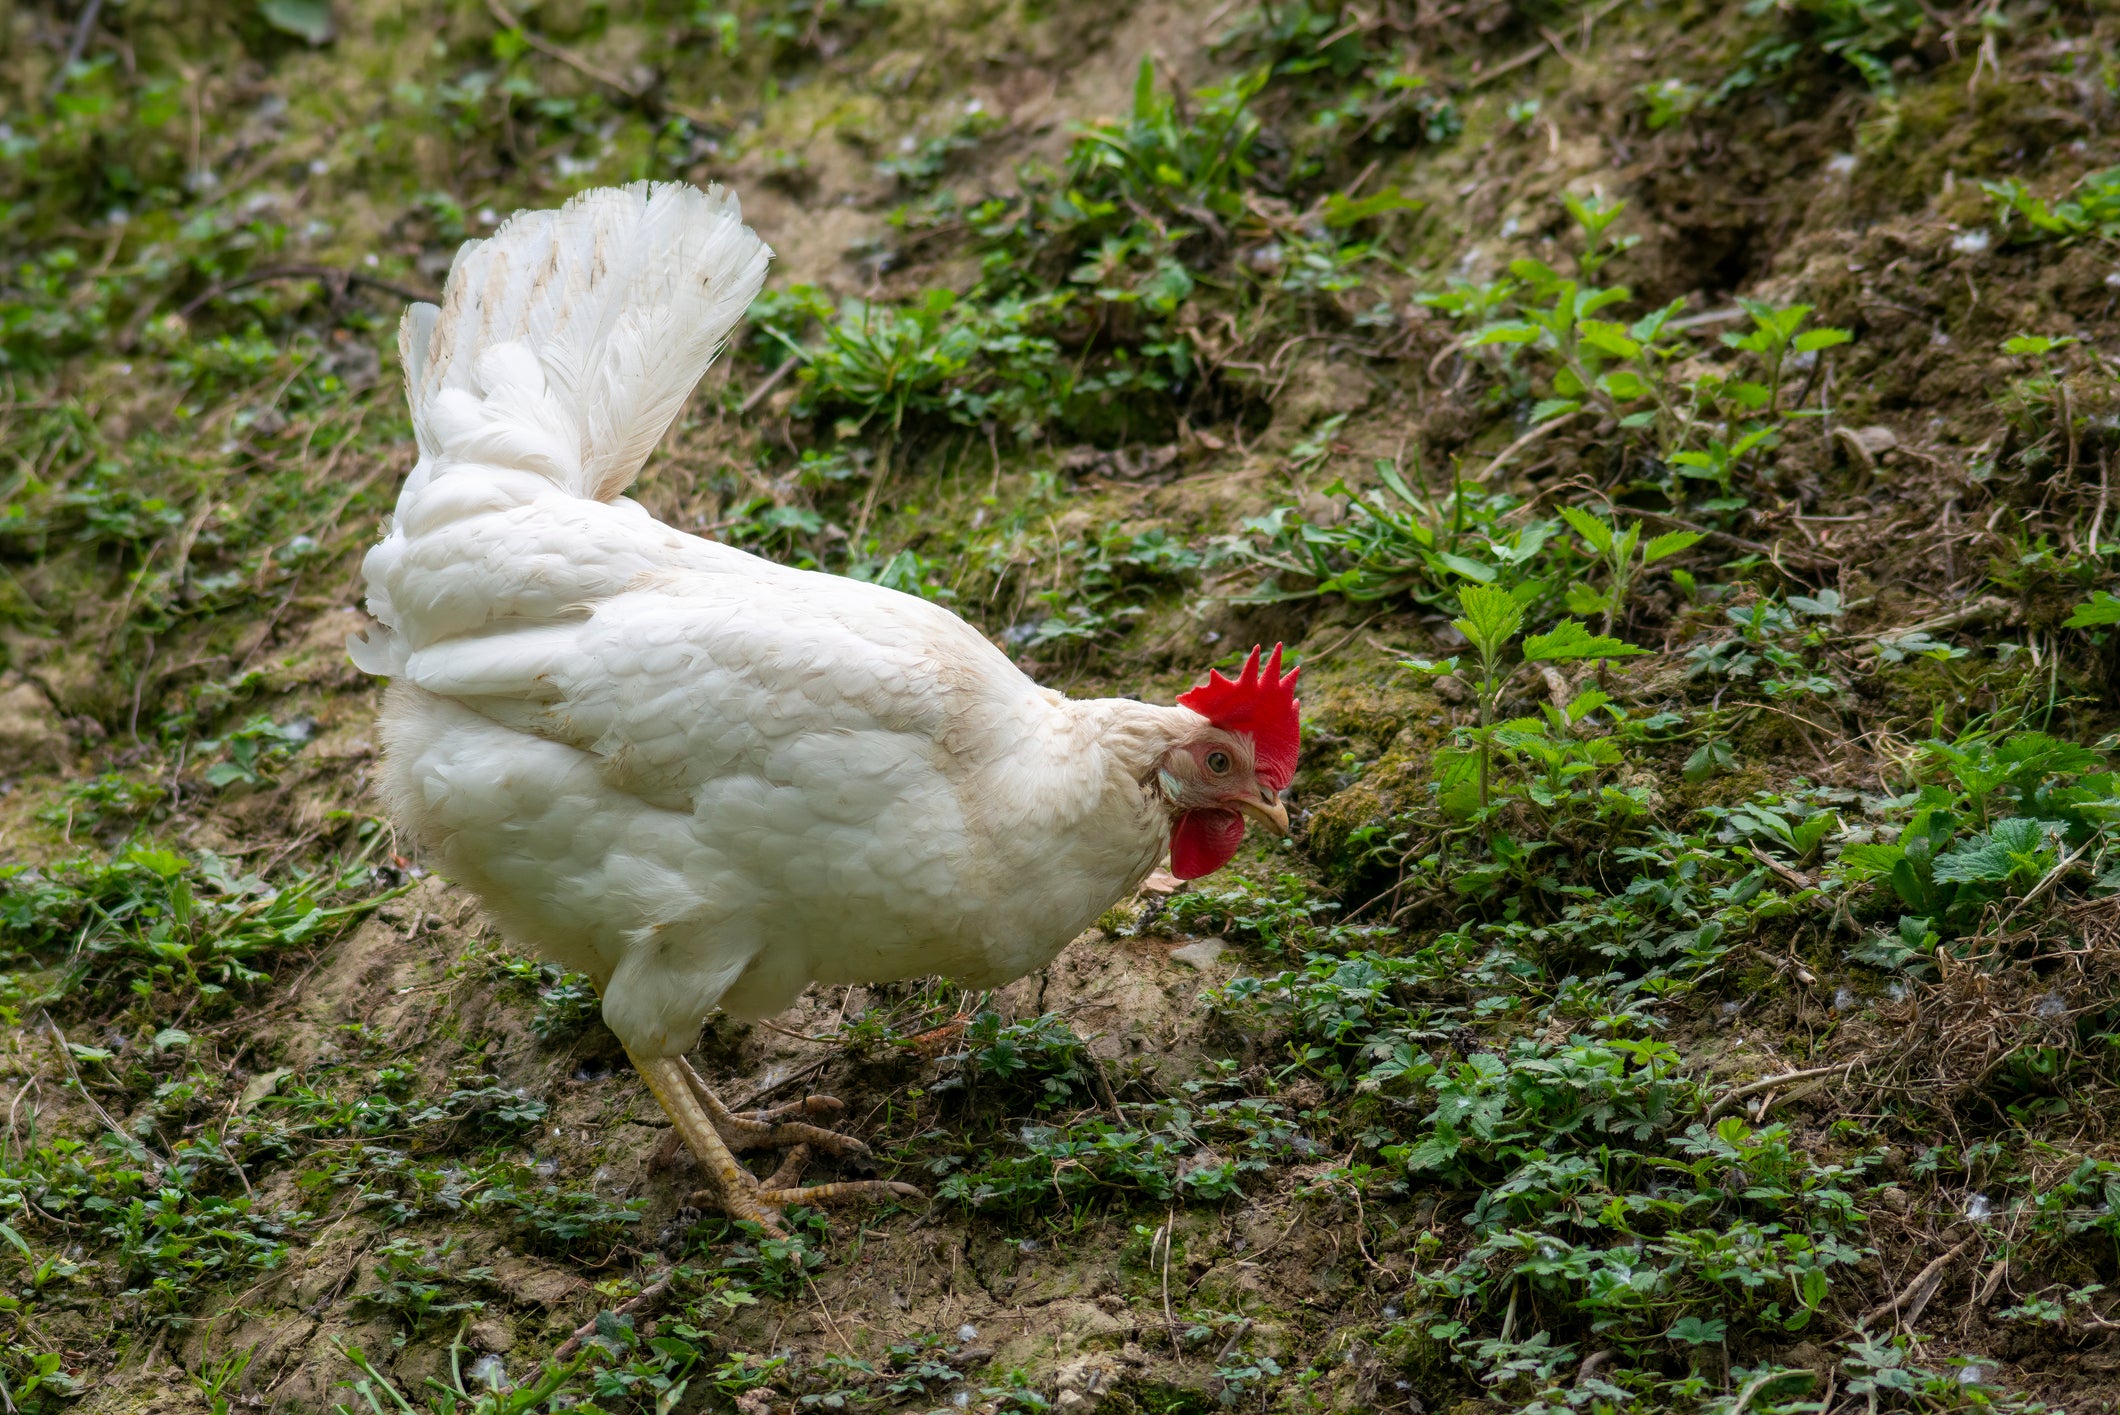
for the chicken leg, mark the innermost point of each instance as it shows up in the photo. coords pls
(700, 1119)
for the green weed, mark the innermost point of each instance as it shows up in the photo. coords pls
(2092, 209)
(164, 928)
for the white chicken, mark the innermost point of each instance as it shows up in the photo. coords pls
(701, 778)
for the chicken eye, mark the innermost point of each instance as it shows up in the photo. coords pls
(1218, 762)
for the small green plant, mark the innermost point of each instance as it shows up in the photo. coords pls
(2032, 773)
(1786, 822)
(920, 164)
(1591, 356)
(1779, 643)
(112, 798)
(1944, 882)
(373, 1389)
(1623, 565)
(253, 751)
(1491, 621)
(2093, 209)
(1776, 334)
(939, 355)
(566, 1002)
(37, 1380)
(1192, 166)
(177, 1241)
(1861, 33)
(1395, 541)
(554, 1217)
(2096, 612)
(1702, 423)
(1042, 1059)
(2038, 402)
(168, 929)
(2013, 854)
(1718, 461)
(1670, 101)
(414, 1283)
(1563, 759)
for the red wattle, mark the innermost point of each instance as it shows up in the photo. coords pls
(1203, 841)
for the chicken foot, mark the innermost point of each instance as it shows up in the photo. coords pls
(735, 1190)
(777, 1129)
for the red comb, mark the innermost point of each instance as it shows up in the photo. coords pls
(1263, 705)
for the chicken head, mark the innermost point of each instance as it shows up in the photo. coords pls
(1233, 769)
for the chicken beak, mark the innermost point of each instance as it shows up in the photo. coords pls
(1267, 812)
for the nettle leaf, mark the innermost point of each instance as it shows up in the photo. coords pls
(1822, 338)
(1669, 544)
(1754, 437)
(1628, 540)
(1342, 210)
(1707, 759)
(1549, 408)
(1569, 640)
(1492, 617)
(1457, 782)
(164, 863)
(1591, 529)
(1512, 332)
(1650, 325)
(1624, 385)
(1536, 271)
(1609, 338)
(1593, 214)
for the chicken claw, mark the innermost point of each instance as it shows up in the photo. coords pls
(784, 1187)
(701, 1119)
(776, 1129)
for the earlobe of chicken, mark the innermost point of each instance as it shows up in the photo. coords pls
(699, 1117)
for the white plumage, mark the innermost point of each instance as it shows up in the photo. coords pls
(697, 776)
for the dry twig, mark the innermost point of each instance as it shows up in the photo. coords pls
(1907, 1304)
(1769, 1083)
(1521, 443)
(646, 1300)
(773, 380)
(75, 48)
(333, 277)
(583, 66)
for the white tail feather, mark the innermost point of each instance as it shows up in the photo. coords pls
(566, 343)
